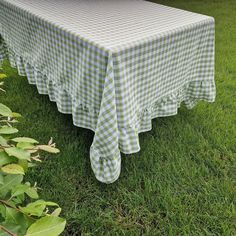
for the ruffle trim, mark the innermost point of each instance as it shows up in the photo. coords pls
(190, 94)
(167, 105)
(67, 103)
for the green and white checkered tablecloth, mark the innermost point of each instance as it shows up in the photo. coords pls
(113, 65)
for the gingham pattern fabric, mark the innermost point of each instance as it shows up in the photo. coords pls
(113, 65)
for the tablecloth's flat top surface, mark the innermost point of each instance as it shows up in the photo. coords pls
(110, 23)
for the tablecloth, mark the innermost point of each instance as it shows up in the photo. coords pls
(113, 65)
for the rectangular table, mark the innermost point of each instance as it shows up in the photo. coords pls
(113, 65)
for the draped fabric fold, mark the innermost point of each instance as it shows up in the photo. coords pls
(106, 141)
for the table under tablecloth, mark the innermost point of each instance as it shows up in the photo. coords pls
(113, 65)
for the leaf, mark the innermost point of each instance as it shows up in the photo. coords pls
(47, 226)
(25, 146)
(5, 159)
(13, 169)
(17, 218)
(12, 215)
(19, 199)
(51, 204)
(32, 192)
(14, 228)
(49, 149)
(5, 111)
(18, 153)
(16, 115)
(10, 181)
(24, 140)
(24, 164)
(1, 178)
(3, 141)
(19, 189)
(56, 212)
(3, 76)
(8, 130)
(35, 208)
(3, 211)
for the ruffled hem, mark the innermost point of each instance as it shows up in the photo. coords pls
(189, 94)
(86, 117)
(66, 102)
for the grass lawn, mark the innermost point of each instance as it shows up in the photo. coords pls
(183, 180)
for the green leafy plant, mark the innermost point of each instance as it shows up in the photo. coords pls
(21, 210)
